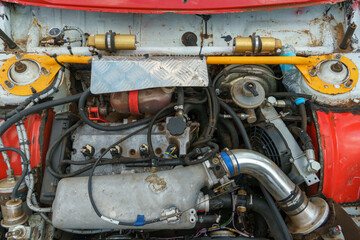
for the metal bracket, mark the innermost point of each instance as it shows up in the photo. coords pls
(300, 161)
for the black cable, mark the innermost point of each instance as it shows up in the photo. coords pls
(25, 162)
(276, 212)
(84, 117)
(90, 184)
(238, 123)
(7, 124)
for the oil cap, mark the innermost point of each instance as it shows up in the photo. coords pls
(176, 125)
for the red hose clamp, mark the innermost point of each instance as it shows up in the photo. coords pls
(134, 102)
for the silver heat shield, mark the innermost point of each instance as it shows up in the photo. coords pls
(116, 74)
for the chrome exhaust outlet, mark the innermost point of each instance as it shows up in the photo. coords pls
(304, 215)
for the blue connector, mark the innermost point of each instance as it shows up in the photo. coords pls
(299, 101)
(140, 220)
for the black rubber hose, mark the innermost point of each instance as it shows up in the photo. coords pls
(303, 115)
(25, 163)
(261, 207)
(180, 95)
(303, 136)
(238, 123)
(289, 94)
(233, 133)
(36, 109)
(276, 215)
(85, 118)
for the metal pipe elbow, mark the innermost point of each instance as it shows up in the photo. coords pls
(260, 167)
(305, 215)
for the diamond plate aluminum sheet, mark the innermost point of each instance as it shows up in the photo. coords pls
(116, 74)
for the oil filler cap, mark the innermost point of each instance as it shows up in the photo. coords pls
(176, 125)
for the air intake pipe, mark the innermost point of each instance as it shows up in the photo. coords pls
(304, 215)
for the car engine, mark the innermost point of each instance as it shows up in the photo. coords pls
(127, 124)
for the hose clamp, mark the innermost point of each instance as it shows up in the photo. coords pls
(235, 165)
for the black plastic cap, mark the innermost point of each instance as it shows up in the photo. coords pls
(176, 126)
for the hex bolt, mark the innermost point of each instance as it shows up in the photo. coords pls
(348, 84)
(313, 166)
(313, 71)
(215, 161)
(8, 84)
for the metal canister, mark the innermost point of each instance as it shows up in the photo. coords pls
(6, 187)
(13, 213)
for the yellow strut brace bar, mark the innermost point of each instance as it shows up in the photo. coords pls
(260, 60)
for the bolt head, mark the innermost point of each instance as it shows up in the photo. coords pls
(272, 100)
(215, 161)
(315, 166)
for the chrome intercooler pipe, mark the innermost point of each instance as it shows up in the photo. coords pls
(304, 215)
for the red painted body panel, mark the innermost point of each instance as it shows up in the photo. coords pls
(178, 6)
(340, 144)
(39, 141)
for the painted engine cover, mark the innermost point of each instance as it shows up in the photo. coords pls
(338, 137)
(38, 128)
(177, 6)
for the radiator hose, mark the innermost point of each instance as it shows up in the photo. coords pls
(305, 215)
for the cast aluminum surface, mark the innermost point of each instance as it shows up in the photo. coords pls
(124, 196)
(116, 74)
(298, 157)
(100, 140)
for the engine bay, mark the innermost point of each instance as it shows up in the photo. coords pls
(239, 125)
